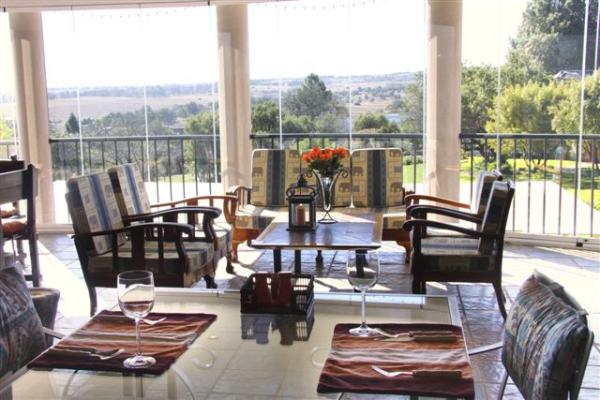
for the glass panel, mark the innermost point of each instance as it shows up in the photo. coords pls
(8, 125)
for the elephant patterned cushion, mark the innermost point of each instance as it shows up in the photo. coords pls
(377, 178)
(21, 334)
(544, 338)
(130, 190)
(273, 171)
(94, 208)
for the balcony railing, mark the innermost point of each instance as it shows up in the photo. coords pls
(544, 167)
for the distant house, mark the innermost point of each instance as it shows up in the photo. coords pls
(570, 74)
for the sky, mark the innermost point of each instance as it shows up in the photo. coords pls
(287, 39)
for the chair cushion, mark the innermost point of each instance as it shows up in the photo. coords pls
(485, 181)
(130, 190)
(93, 208)
(496, 213)
(273, 171)
(449, 254)
(377, 178)
(394, 217)
(21, 335)
(15, 227)
(198, 260)
(543, 340)
(252, 217)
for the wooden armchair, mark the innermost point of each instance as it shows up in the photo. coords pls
(133, 202)
(16, 185)
(476, 257)
(106, 246)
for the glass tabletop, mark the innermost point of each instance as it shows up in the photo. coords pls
(240, 355)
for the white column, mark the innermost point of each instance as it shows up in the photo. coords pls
(444, 31)
(32, 104)
(234, 95)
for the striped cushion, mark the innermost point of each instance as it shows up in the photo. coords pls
(21, 335)
(94, 208)
(130, 189)
(447, 254)
(377, 178)
(252, 217)
(494, 216)
(198, 259)
(485, 181)
(543, 340)
(273, 171)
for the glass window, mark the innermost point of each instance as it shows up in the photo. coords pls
(8, 125)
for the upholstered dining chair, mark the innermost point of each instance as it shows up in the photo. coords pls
(22, 327)
(546, 343)
(476, 257)
(133, 201)
(106, 246)
(19, 182)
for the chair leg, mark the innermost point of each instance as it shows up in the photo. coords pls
(416, 285)
(319, 258)
(35, 261)
(234, 250)
(229, 268)
(210, 282)
(503, 386)
(500, 298)
(93, 299)
(423, 287)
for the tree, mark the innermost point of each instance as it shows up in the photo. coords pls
(479, 86)
(201, 124)
(328, 123)
(311, 99)
(550, 37)
(265, 117)
(72, 125)
(374, 122)
(566, 113)
(410, 106)
(297, 124)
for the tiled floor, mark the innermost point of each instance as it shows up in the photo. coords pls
(578, 271)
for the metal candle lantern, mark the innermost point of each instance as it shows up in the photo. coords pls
(302, 210)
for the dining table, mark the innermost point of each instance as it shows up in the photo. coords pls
(241, 355)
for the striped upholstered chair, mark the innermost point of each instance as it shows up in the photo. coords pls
(377, 182)
(273, 171)
(106, 247)
(473, 217)
(132, 198)
(546, 343)
(475, 257)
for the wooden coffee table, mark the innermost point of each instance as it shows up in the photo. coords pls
(352, 232)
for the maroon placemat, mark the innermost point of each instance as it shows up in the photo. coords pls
(348, 367)
(165, 341)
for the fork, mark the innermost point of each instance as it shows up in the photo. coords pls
(448, 373)
(101, 355)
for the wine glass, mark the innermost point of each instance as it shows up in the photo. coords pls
(135, 290)
(362, 270)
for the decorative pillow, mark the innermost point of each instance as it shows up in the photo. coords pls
(21, 334)
(544, 339)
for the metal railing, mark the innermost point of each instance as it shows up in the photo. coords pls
(7, 148)
(182, 165)
(544, 166)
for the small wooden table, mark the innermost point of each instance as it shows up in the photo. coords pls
(352, 232)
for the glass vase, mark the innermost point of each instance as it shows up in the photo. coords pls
(326, 184)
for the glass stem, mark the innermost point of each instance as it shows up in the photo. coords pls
(137, 337)
(362, 310)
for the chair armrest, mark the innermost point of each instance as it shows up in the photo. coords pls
(229, 204)
(415, 198)
(184, 228)
(210, 212)
(53, 333)
(414, 223)
(485, 349)
(420, 212)
(243, 194)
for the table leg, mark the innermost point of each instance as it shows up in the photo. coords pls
(297, 262)
(319, 259)
(277, 260)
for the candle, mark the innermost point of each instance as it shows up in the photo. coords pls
(300, 215)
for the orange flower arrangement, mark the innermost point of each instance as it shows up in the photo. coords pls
(327, 161)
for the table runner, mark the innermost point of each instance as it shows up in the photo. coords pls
(108, 330)
(348, 366)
